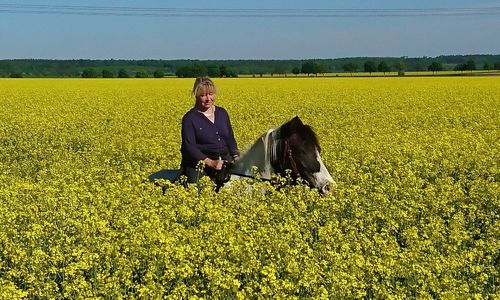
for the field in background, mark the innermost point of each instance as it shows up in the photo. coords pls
(415, 212)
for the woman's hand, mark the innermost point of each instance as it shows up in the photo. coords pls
(214, 164)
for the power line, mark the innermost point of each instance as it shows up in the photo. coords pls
(242, 12)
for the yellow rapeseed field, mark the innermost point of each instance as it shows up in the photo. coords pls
(415, 213)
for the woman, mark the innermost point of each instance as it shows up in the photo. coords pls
(207, 134)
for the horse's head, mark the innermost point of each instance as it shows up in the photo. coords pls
(298, 150)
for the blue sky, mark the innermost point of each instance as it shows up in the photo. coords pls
(55, 34)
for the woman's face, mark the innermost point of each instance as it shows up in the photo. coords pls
(206, 99)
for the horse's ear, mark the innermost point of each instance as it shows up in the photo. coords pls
(296, 121)
(291, 126)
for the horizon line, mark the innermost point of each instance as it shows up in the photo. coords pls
(263, 59)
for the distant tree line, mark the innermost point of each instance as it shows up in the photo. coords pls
(232, 68)
(211, 70)
(122, 73)
(193, 70)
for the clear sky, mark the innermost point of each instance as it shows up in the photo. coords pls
(258, 29)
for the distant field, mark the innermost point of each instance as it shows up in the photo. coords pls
(415, 213)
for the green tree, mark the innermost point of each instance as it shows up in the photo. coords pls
(296, 71)
(159, 73)
(350, 67)
(194, 70)
(198, 70)
(308, 68)
(184, 72)
(122, 73)
(322, 68)
(418, 67)
(213, 71)
(16, 75)
(313, 67)
(496, 66)
(107, 74)
(227, 72)
(89, 73)
(278, 69)
(460, 67)
(471, 65)
(370, 66)
(435, 66)
(399, 66)
(383, 67)
(141, 74)
(486, 66)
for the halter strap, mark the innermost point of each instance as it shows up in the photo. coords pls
(287, 153)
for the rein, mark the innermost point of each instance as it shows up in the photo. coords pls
(249, 176)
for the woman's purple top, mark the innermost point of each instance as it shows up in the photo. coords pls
(201, 137)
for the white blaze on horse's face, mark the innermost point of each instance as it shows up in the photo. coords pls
(323, 179)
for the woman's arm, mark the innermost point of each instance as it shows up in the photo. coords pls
(231, 141)
(189, 144)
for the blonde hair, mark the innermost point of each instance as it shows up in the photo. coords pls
(203, 85)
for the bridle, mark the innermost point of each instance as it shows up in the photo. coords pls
(287, 153)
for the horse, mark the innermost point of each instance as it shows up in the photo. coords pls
(293, 146)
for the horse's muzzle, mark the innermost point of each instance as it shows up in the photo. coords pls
(327, 188)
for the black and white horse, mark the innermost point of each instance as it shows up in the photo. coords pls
(293, 146)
